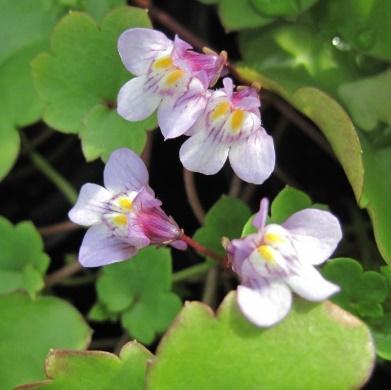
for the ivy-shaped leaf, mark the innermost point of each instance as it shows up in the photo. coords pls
(225, 219)
(306, 350)
(139, 291)
(23, 262)
(98, 370)
(24, 28)
(80, 79)
(29, 329)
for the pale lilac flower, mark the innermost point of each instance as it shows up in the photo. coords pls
(280, 258)
(123, 216)
(230, 127)
(169, 75)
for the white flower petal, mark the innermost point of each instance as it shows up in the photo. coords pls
(125, 171)
(266, 305)
(138, 47)
(135, 102)
(315, 234)
(101, 247)
(90, 205)
(310, 284)
(201, 153)
(253, 159)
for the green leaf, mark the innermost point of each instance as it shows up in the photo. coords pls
(238, 15)
(304, 351)
(381, 331)
(24, 28)
(225, 219)
(364, 24)
(23, 262)
(368, 100)
(99, 312)
(96, 370)
(140, 291)
(99, 8)
(288, 201)
(29, 328)
(274, 8)
(81, 78)
(361, 292)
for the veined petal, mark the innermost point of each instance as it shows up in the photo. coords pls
(310, 284)
(125, 171)
(240, 249)
(253, 159)
(90, 205)
(138, 47)
(179, 244)
(266, 304)
(135, 102)
(201, 153)
(261, 216)
(101, 247)
(315, 234)
(176, 114)
(136, 236)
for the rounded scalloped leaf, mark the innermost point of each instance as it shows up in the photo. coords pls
(80, 79)
(98, 370)
(282, 7)
(23, 263)
(29, 329)
(315, 347)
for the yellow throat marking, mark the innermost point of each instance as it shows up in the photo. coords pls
(163, 63)
(237, 119)
(220, 109)
(174, 76)
(267, 253)
(125, 203)
(120, 219)
(273, 238)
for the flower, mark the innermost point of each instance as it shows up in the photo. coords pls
(169, 75)
(123, 216)
(230, 126)
(280, 258)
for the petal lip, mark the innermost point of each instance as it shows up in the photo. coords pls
(125, 171)
(315, 234)
(90, 205)
(138, 47)
(264, 305)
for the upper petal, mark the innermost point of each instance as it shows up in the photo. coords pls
(90, 205)
(265, 304)
(135, 102)
(138, 47)
(178, 113)
(203, 154)
(315, 234)
(101, 247)
(310, 284)
(253, 159)
(261, 216)
(125, 171)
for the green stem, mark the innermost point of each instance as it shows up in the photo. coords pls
(189, 272)
(55, 177)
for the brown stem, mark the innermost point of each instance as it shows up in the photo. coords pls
(235, 186)
(147, 152)
(63, 273)
(203, 250)
(192, 196)
(60, 227)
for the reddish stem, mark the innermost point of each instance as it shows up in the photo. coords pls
(204, 251)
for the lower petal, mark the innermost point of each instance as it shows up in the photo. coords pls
(135, 102)
(310, 284)
(253, 159)
(177, 114)
(266, 304)
(90, 205)
(101, 247)
(202, 154)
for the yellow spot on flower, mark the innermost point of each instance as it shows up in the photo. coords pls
(125, 203)
(237, 119)
(273, 238)
(163, 63)
(267, 253)
(120, 219)
(174, 76)
(220, 109)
